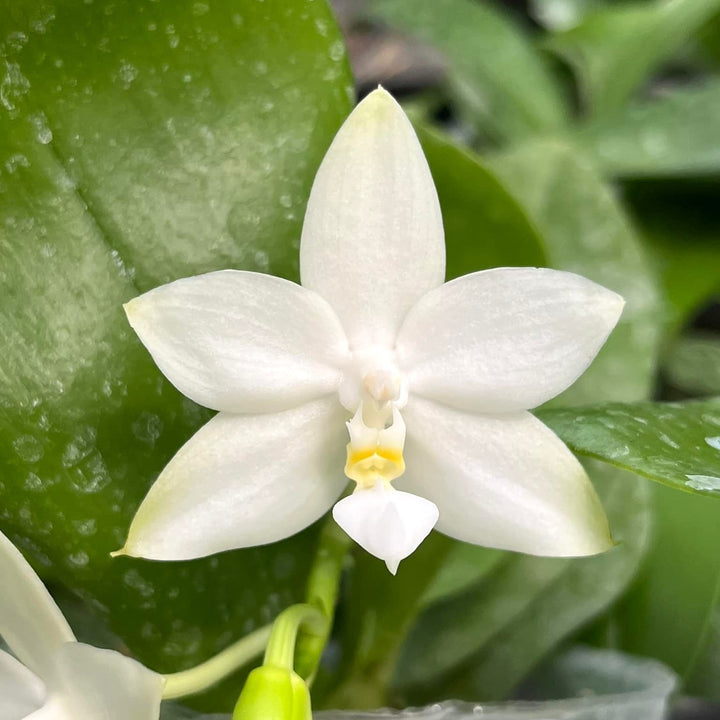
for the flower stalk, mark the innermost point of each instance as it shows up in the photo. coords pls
(322, 591)
(203, 676)
(280, 651)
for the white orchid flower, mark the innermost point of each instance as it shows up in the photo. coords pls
(52, 676)
(433, 381)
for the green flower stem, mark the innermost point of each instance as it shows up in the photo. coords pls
(322, 591)
(280, 651)
(203, 676)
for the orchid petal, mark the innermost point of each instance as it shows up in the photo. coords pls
(506, 339)
(21, 692)
(372, 242)
(94, 683)
(505, 482)
(244, 480)
(30, 622)
(240, 341)
(386, 522)
(53, 709)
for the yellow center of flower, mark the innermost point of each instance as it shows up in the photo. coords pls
(366, 467)
(377, 431)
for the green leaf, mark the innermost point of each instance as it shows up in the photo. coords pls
(680, 225)
(673, 610)
(677, 444)
(376, 611)
(139, 143)
(484, 225)
(585, 230)
(562, 14)
(693, 364)
(493, 69)
(614, 50)
(463, 566)
(705, 662)
(674, 135)
(480, 644)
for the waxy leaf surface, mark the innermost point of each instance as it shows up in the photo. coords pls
(677, 444)
(140, 143)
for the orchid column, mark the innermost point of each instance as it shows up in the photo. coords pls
(430, 383)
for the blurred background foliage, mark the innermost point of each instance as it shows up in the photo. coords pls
(145, 141)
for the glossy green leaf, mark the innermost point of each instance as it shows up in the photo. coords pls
(484, 225)
(480, 644)
(139, 143)
(672, 612)
(614, 50)
(693, 364)
(493, 69)
(585, 230)
(674, 135)
(677, 444)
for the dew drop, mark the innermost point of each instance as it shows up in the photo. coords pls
(85, 527)
(127, 73)
(12, 87)
(668, 441)
(42, 131)
(16, 41)
(703, 482)
(33, 483)
(28, 448)
(40, 24)
(262, 260)
(148, 428)
(337, 50)
(78, 559)
(133, 579)
(80, 447)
